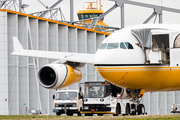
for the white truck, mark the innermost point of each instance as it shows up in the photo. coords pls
(68, 102)
(104, 98)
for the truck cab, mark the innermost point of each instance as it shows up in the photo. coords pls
(68, 102)
(95, 101)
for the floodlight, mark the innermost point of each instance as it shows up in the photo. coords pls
(24, 6)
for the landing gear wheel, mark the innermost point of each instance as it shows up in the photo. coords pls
(141, 109)
(133, 109)
(118, 109)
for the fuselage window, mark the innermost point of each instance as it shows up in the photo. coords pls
(122, 46)
(177, 42)
(128, 45)
(103, 46)
(112, 46)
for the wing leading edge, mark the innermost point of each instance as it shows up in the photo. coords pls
(61, 56)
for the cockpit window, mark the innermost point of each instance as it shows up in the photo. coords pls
(112, 46)
(122, 46)
(128, 45)
(103, 46)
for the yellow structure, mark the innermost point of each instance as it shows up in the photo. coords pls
(91, 12)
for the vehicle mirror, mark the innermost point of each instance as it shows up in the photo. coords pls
(53, 96)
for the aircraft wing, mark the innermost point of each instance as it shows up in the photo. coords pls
(62, 56)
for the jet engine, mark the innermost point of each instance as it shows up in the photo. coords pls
(57, 76)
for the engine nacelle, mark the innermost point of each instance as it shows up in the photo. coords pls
(57, 76)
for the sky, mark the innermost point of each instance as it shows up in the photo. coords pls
(133, 14)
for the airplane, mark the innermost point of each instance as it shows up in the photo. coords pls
(138, 59)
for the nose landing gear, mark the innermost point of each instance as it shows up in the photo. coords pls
(137, 108)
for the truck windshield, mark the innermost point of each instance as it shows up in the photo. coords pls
(66, 96)
(94, 91)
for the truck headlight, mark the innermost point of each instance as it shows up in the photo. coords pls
(56, 105)
(86, 107)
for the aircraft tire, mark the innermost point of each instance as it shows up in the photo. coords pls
(134, 109)
(141, 109)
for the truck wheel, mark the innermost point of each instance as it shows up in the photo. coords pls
(70, 114)
(141, 109)
(117, 110)
(58, 113)
(89, 114)
(100, 114)
(133, 109)
(127, 109)
(79, 114)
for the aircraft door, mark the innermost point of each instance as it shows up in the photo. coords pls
(175, 49)
(159, 54)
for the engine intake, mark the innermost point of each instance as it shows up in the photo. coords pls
(57, 76)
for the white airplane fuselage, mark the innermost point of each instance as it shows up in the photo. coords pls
(126, 67)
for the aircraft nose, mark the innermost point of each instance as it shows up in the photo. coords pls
(103, 57)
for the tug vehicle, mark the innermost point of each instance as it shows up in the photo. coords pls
(105, 98)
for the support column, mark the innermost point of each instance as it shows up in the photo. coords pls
(95, 73)
(48, 61)
(165, 102)
(149, 103)
(34, 65)
(86, 49)
(17, 65)
(71, 11)
(17, 84)
(157, 103)
(27, 69)
(122, 16)
(160, 18)
(20, 4)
